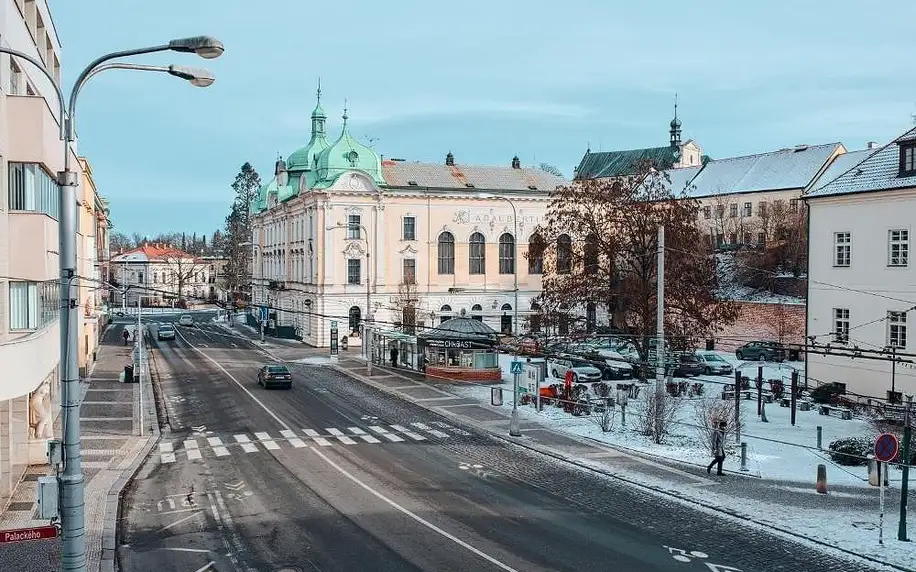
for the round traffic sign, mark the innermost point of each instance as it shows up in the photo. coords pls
(886, 447)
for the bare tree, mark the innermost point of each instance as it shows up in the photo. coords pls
(708, 412)
(657, 414)
(784, 226)
(552, 169)
(183, 269)
(784, 327)
(405, 304)
(604, 415)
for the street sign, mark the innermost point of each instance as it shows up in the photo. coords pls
(263, 314)
(886, 447)
(334, 349)
(517, 367)
(26, 534)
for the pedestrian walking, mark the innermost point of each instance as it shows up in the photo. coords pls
(126, 335)
(394, 357)
(718, 448)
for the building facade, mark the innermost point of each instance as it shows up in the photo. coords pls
(217, 286)
(92, 262)
(32, 154)
(158, 275)
(340, 234)
(862, 287)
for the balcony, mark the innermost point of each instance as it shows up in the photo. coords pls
(28, 361)
(276, 285)
(37, 132)
(36, 258)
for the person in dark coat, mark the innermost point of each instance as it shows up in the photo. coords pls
(126, 335)
(718, 448)
(394, 357)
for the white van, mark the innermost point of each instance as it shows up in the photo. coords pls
(186, 320)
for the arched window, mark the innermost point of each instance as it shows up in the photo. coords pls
(446, 253)
(535, 254)
(591, 254)
(444, 312)
(476, 310)
(477, 261)
(505, 321)
(564, 254)
(355, 319)
(591, 317)
(506, 254)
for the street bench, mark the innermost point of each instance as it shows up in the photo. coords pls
(842, 412)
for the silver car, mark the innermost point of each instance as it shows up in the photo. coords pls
(714, 364)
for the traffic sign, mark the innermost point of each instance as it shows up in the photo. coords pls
(263, 314)
(516, 367)
(333, 324)
(886, 447)
(26, 534)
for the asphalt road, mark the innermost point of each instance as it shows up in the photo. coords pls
(333, 475)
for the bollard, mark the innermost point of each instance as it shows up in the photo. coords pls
(743, 455)
(820, 435)
(821, 485)
(873, 471)
(623, 415)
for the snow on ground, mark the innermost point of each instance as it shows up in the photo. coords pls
(730, 289)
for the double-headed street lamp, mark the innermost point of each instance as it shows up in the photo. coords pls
(71, 501)
(367, 338)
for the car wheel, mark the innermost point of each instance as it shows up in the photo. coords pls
(761, 357)
(554, 373)
(575, 378)
(739, 355)
(707, 371)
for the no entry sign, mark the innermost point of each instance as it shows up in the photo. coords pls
(26, 534)
(886, 447)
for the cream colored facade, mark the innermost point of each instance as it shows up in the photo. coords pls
(154, 273)
(31, 153)
(91, 252)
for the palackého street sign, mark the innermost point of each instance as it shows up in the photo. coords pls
(26, 534)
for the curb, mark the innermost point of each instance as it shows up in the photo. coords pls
(656, 490)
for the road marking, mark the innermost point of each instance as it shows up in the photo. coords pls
(287, 433)
(422, 426)
(267, 441)
(322, 441)
(193, 550)
(220, 451)
(392, 437)
(369, 439)
(193, 454)
(214, 441)
(414, 516)
(296, 442)
(333, 431)
(378, 430)
(242, 438)
(180, 520)
(165, 448)
(190, 444)
(356, 430)
(209, 566)
(311, 432)
(262, 436)
(345, 440)
(249, 448)
(164, 457)
(408, 432)
(437, 433)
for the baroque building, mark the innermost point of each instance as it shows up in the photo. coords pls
(340, 234)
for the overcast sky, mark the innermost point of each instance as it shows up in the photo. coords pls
(483, 79)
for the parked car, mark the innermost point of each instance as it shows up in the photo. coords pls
(165, 332)
(275, 374)
(688, 365)
(714, 364)
(582, 370)
(762, 351)
(186, 320)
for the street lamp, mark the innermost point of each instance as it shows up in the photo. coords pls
(514, 428)
(367, 342)
(72, 485)
(198, 77)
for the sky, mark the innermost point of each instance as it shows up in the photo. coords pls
(485, 80)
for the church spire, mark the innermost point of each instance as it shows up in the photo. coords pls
(345, 116)
(675, 127)
(318, 115)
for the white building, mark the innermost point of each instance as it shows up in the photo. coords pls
(160, 274)
(861, 285)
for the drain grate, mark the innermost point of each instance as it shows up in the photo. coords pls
(20, 506)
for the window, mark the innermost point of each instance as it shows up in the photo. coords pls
(720, 211)
(409, 266)
(733, 238)
(535, 254)
(748, 210)
(761, 238)
(506, 254)
(446, 253)
(898, 247)
(33, 304)
(32, 189)
(564, 254)
(733, 210)
(409, 228)
(841, 325)
(444, 312)
(354, 316)
(896, 329)
(591, 254)
(476, 310)
(842, 244)
(908, 160)
(15, 78)
(477, 261)
(747, 238)
(761, 209)
(353, 271)
(591, 317)
(793, 205)
(720, 239)
(353, 222)
(707, 212)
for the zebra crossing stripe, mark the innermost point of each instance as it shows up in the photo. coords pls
(345, 440)
(267, 441)
(296, 442)
(333, 431)
(392, 437)
(421, 426)
(322, 441)
(409, 433)
(261, 435)
(249, 447)
(193, 454)
(311, 433)
(377, 429)
(288, 434)
(167, 457)
(242, 439)
(356, 430)
(369, 439)
(165, 448)
(190, 444)
(214, 441)
(437, 433)
(221, 451)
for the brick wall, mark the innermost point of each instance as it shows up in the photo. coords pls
(488, 375)
(764, 321)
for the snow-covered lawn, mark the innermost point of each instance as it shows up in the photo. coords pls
(776, 449)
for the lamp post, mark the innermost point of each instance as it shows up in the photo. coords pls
(261, 276)
(367, 342)
(72, 490)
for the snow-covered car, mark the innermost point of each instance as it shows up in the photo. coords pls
(617, 365)
(582, 371)
(714, 364)
(186, 320)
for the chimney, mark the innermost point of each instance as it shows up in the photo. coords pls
(872, 145)
(450, 159)
(516, 162)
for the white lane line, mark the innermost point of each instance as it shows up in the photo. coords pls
(296, 442)
(437, 433)
(249, 447)
(242, 439)
(287, 433)
(345, 440)
(214, 441)
(414, 516)
(369, 439)
(192, 550)
(208, 566)
(322, 441)
(180, 520)
(356, 430)
(193, 454)
(165, 448)
(377, 429)
(333, 431)
(164, 457)
(392, 437)
(421, 426)
(190, 444)
(311, 432)
(220, 451)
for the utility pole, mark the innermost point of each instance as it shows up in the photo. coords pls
(660, 311)
(139, 337)
(905, 483)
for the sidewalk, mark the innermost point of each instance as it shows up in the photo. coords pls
(111, 453)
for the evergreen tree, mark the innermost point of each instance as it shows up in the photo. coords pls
(238, 230)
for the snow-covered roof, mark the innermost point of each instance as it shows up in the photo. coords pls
(876, 170)
(785, 169)
(681, 178)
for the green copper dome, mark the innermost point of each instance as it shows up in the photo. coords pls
(303, 159)
(348, 154)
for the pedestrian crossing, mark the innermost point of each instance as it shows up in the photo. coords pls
(195, 448)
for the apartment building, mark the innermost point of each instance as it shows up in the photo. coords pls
(92, 263)
(31, 153)
(158, 275)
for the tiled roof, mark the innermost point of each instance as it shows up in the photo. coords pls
(401, 173)
(784, 169)
(151, 252)
(617, 163)
(877, 170)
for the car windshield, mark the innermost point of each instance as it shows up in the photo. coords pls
(712, 357)
(277, 369)
(163, 328)
(581, 364)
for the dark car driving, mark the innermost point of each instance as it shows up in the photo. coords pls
(275, 375)
(688, 365)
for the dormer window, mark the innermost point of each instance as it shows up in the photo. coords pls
(908, 160)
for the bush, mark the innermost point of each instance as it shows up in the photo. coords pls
(851, 451)
(826, 393)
